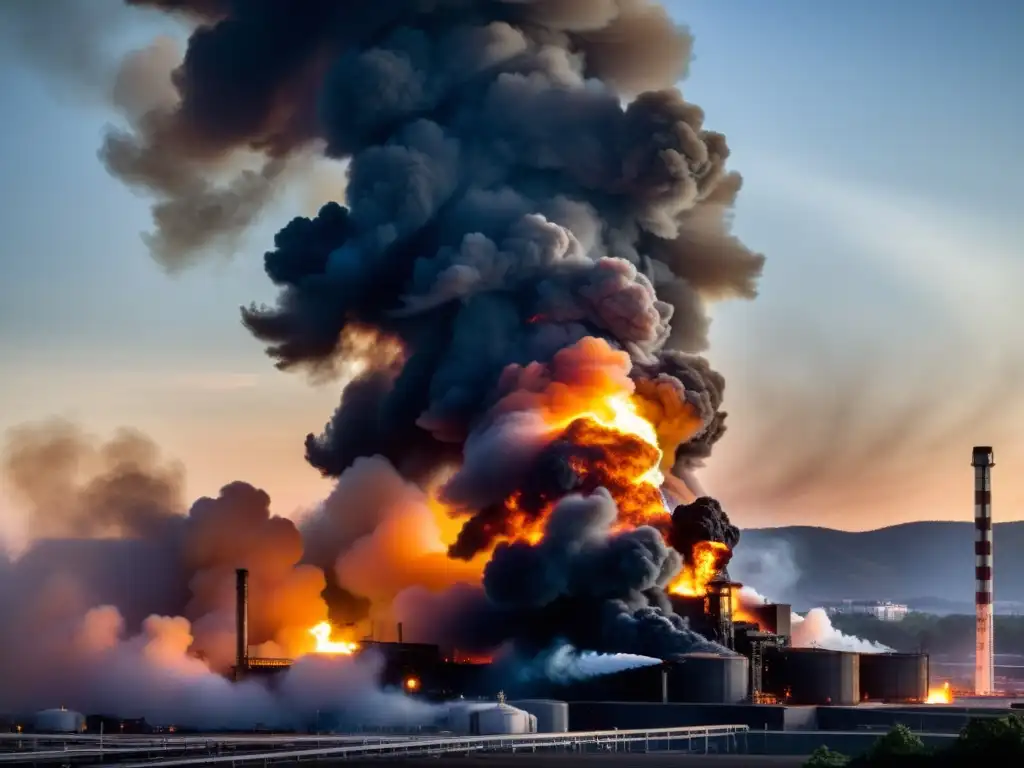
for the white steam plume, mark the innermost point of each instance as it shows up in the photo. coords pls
(774, 567)
(565, 664)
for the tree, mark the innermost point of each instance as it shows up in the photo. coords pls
(823, 757)
(993, 740)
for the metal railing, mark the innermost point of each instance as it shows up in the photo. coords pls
(640, 740)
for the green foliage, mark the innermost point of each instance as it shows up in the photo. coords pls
(823, 757)
(899, 741)
(991, 739)
(985, 743)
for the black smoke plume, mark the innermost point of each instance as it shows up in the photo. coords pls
(701, 520)
(532, 207)
(594, 584)
(535, 220)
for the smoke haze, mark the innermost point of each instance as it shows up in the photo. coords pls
(511, 294)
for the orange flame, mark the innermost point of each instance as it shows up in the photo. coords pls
(704, 564)
(324, 644)
(616, 449)
(943, 695)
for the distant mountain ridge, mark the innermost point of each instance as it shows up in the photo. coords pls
(927, 564)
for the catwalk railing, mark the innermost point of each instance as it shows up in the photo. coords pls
(719, 738)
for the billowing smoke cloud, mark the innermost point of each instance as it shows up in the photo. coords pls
(95, 666)
(771, 565)
(814, 629)
(131, 613)
(703, 520)
(536, 220)
(514, 291)
(579, 560)
(75, 486)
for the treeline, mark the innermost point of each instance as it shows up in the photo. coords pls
(932, 634)
(984, 743)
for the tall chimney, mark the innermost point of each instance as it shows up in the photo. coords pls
(982, 459)
(241, 621)
(399, 632)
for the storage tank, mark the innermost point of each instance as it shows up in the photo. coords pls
(812, 676)
(708, 678)
(895, 677)
(458, 714)
(552, 716)
(501, 719)
(59, 721)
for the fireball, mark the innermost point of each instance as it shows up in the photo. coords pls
(704, 564)
(324, 644)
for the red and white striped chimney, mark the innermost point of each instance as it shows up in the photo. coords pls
(982, 459)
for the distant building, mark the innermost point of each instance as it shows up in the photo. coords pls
(883, 611)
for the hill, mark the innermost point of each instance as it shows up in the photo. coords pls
(928, 564)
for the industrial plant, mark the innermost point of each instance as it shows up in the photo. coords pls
(761, 680)
(512, 292)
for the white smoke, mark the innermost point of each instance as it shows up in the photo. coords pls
(92, 665)
(565, 664)
(771, 565)
(814, 629)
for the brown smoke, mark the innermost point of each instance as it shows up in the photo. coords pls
(77, 486)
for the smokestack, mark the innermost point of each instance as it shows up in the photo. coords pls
(399, 632)
(241, 621)
(983, 460)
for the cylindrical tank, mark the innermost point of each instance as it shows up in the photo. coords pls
(59, 721)
(812, 676)
(552, 716)
(708, 678)
(458, 715)
(501, 719)
(896, 677)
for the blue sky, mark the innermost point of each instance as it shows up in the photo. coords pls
(881, 148)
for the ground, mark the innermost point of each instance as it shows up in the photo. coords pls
(589, 761)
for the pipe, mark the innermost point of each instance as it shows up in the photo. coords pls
(983, 459)
(399, 632)
(241, 621)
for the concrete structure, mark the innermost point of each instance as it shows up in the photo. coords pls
(868, 718)
(983, 459)
(59, 721)
(894, 677)
(709, 678)
(552, 716)
(812, 676)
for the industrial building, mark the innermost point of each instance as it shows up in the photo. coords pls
(762, 669)
(879, 609)
(764, 682)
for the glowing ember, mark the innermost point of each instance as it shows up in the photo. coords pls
(943, 695)
(324, 643)
(705, 562)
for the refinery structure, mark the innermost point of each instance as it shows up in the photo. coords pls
(759, 679)
(758, 682)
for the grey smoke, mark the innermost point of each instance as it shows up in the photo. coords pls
(581, 559)
(525, 180)
(565, 664)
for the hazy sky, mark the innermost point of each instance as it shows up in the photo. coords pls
(885, 179)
